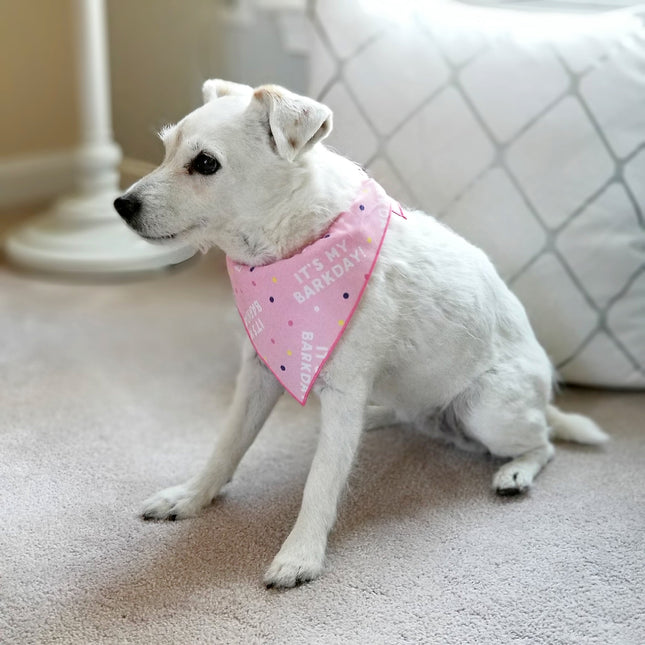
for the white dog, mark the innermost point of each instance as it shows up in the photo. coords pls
(437, 337)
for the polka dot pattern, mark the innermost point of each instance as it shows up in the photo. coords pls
(295, 310)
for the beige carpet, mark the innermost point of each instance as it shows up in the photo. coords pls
(110, 392)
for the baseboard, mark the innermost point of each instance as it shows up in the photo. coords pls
(32, 179)
(35, 178)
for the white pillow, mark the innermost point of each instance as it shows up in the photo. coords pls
(527, 136)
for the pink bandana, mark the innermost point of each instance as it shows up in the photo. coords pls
(295, 310)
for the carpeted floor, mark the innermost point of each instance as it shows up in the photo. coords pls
(109, 392)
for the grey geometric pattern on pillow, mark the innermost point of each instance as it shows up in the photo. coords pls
(536, 153)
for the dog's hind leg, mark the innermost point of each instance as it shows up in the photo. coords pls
(517, 475)
(256, 393)
(511, 422)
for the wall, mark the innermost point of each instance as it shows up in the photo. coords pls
(38, 107)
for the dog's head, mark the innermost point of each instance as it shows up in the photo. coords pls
(226, 165)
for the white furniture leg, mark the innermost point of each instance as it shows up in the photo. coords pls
(82, 233)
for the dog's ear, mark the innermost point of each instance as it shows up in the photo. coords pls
(216, 87)
(296, 122)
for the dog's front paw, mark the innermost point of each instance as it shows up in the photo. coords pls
(289, 570)
(175, 503)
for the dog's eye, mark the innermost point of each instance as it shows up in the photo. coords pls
(203, 164)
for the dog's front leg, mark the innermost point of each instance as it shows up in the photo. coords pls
(256, 393)
(302, 555)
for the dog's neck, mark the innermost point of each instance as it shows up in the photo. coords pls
(323, 185)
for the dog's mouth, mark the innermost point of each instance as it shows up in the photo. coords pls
(169, 237)
(160, 238)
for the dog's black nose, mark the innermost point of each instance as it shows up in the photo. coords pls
(127, 207)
